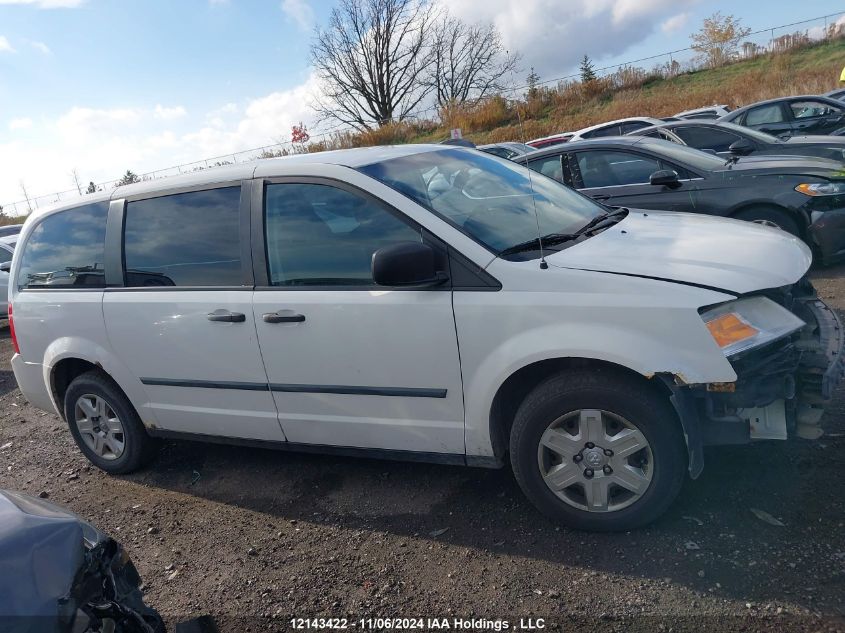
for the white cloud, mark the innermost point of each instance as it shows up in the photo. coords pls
(553, 35)
(22, 123)
(168, 114)
(5, 45)
(41, 47)
(47, 4)
(102, 143)
(675, 23)
(299, 12)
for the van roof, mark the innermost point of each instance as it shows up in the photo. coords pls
(353, 158)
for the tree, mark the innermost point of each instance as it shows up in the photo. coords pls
(588, 72)
(469, 61)
(369, 60)
(531, 82)
(128, 178)
(92, 188)
(299, 136)
(2, 213)
(718, 38)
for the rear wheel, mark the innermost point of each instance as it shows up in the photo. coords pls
(770, 217)
(598, 451)
(105, 425)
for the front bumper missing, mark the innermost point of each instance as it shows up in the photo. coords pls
(781, 389)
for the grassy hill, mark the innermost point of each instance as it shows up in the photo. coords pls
(810, 69)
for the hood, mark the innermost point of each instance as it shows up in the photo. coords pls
(688, 248)
(785, 165)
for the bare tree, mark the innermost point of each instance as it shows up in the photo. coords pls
(468, 61)
(718, 39)
(75, 175)
(370, 58)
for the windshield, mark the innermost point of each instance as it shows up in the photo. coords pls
(489, 198)
(757, 135)
(693, 157)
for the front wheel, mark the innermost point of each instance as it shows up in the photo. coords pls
(774, 218)
(598, 450)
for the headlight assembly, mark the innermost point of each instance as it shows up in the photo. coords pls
(743, 324)
(821, 188)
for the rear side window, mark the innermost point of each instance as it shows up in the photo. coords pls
(66, 249)
(707, 138)
(765, 114)
(187, 239)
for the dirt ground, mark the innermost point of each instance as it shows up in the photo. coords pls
(256, 537)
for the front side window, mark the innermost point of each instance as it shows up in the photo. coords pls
(610, 130)
(765, 114)
(810, 109)
(600, 168)
(493, 201)
(319, 235)
(186, 239)
(66, 249)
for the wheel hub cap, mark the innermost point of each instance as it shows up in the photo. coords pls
(595, 460)
(99, 426)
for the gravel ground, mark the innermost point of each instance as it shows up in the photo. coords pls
(256, 537)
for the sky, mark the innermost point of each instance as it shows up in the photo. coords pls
(102, 86)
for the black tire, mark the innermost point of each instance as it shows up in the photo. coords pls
(621, 395)
(139, 448)
(767, 215)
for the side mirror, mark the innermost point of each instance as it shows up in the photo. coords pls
(665, 177)
(6, 267)
(742, 147)
(406, 264)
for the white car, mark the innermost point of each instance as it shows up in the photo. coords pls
(620, 127)
(711, 112)
(396, 302)
(7, 249)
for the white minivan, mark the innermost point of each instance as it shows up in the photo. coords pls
(426, 303)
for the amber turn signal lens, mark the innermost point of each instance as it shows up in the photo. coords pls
(730, 328)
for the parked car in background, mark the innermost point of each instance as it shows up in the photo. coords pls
(63, 575)
(711, 112)
(548, 141)
(801, 195)
(422, 302)
(615, 128)
(508, 150)
(792, 116)
(728, 139)
(839, 94)
(7, 249)
(10, 229)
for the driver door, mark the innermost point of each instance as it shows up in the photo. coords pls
(350, 363)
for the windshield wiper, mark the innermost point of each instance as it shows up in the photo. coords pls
(599, 222)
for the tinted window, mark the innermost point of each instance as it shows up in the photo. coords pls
(5, 256)
(321, 235)
(707, 114)
(611, 130)
(612, 168)
(549, 166)
(707, 138)
(501, 152)
(492, 200)
(66, 249)
(632, 126)
(809, 109)
(187, 239)
(764, 114)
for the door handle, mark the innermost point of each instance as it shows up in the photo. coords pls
(226, 316)
(283, 316)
